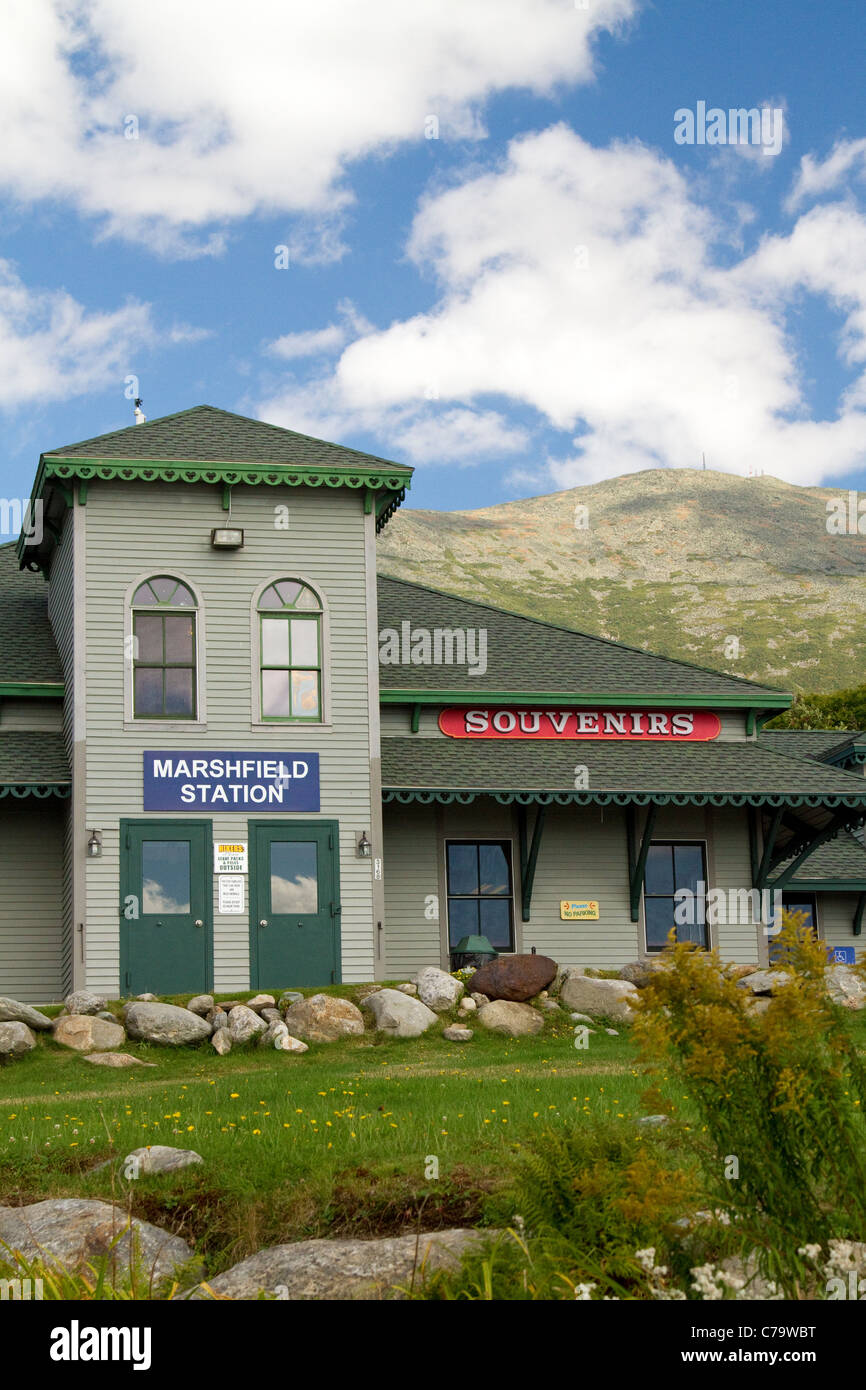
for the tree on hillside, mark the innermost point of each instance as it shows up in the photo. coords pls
(842, 709)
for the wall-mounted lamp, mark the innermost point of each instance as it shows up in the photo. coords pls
(227, 537)
(94, 844)
(364, 849)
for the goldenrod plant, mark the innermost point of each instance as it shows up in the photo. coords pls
(779, 1088)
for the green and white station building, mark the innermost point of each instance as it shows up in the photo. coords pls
(232, 756)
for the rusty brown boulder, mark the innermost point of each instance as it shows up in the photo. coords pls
(516, 978)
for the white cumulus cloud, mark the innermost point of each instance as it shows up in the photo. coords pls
(52, 347)
(162, 118)
(594, 287)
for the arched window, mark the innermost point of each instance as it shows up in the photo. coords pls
(164, 650)
(290, 633)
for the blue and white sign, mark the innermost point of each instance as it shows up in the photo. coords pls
(842, 955)
(177, 781)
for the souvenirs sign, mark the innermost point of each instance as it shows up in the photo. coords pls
(497, 721)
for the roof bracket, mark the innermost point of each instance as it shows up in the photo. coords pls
(857, 924)
(416, 717)
(528, 856)
(227, 497)
(369, 500)
(82, 492)
(637, 862)
(769, 846)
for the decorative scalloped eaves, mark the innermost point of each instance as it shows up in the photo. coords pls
(42, 790)
(426, 797)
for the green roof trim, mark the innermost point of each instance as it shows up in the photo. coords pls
(570, 697)
(35, 689)
(185, 471)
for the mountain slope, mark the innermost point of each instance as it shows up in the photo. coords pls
(740, 574)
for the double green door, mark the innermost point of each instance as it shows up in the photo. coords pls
(166, 880)
(166, 905)
(294, 904)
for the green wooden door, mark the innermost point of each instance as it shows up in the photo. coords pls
(294, 904)
(166, 901)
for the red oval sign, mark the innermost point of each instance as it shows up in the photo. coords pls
(657, 726)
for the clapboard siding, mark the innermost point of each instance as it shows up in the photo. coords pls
(583, 855)
(135, 528)
(836, 918)
(411, 880)
(44, 715)
(31, 915)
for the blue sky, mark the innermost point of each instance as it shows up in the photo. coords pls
(550, 292)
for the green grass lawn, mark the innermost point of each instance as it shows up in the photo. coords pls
(337, 1141)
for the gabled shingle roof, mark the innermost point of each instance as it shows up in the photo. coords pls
(205, 434)
(736, 768)
(532, 657)
(842, 859)
(27, 650)
(32, 758)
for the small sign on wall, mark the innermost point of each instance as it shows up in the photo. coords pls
(842, 955)
(230, 858)
(585, 910)
(231, 893)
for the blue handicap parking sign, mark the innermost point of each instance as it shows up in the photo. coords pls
(842, 955)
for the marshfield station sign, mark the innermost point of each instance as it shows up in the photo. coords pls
(176, 781)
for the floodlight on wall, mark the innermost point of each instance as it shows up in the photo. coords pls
(227, 538)
(364, 849)
(94, 844)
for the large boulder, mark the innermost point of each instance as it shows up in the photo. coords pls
(513, 1019)
(599, 998)
(343, 1269)
(454, 1033)
(15, 1039)
(764, 982)
(640, 972)
(84, 1001)
(844, 987)
(261, 1001)
(73, 1231)
(13, 1012)
(159, 1158)
(165, 1023)
(200, 1004)
(286, 1043)
(116, 1059)
(400, 1015)
(324, 1018)
(85, 1033)
(245, 1024)
(437, 989)
(517, 978)
(221, 1041)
